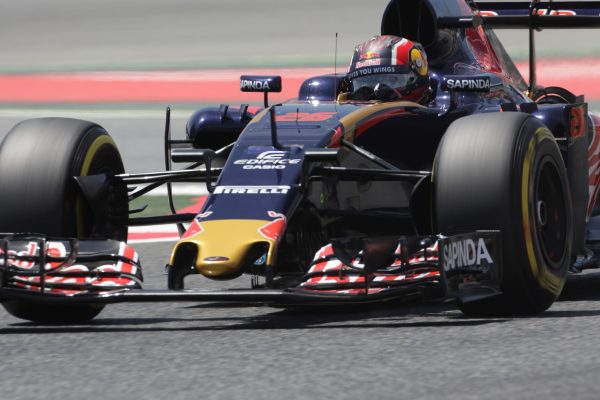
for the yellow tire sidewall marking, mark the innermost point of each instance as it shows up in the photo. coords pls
(85, 169)
(545, 278)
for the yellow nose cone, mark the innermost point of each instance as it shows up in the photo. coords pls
(226, 248)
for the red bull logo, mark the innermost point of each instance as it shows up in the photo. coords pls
(193, 229)
(369, 55)
(205, 214)
(484, 13)
(274, 229)
(556, 12)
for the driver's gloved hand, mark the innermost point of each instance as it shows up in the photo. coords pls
(362, 94)
(384, 93)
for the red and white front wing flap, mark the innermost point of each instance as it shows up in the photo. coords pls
(71, 267)
(328, 274)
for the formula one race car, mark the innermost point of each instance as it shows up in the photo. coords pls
(481, 193)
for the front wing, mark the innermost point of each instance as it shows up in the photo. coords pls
(361, 271)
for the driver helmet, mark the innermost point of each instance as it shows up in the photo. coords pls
(389, 68)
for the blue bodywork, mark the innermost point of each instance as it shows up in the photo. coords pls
(399, 135)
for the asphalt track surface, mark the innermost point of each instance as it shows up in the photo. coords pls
(210, 351)
(192, 351)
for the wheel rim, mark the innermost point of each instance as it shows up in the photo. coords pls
(550, 217)
(106, 160)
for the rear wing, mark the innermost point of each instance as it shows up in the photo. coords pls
(536, 15)
(421, 20)
(539, 14)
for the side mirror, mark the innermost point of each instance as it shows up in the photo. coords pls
(260, 84)
(192, 155)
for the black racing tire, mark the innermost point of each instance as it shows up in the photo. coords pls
(38, 160)
(42, 313)
(504, 171)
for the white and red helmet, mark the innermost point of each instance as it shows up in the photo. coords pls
(389, 68)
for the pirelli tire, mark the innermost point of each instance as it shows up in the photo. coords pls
(38, 160)
(504, 171)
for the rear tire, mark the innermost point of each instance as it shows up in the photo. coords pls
(38, 160)
(504, 171)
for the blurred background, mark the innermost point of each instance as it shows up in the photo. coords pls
(192, 51)
(39, 35)
(121, 62)
(76, 35)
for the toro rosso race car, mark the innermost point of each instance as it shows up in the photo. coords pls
(482, 191)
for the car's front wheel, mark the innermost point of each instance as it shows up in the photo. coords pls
(504, 171)
(39, 159)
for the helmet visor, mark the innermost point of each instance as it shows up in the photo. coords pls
(397, 82)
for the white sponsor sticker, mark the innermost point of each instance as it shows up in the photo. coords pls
(466, 253)
(470, 84)
(254, 85)
(268, 160)
(252, 189)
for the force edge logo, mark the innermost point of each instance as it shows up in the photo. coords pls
(465, 253)
(268, 160)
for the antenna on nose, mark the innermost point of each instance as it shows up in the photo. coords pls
(335, 69)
